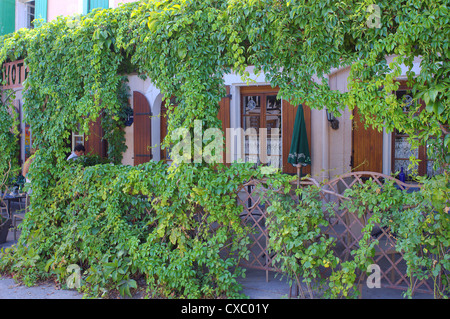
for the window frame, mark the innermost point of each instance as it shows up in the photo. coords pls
(75, 135)
(421, 151)
(30, 17)
(263, 92)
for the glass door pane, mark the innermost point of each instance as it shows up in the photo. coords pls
(273, 125)
(252, 124)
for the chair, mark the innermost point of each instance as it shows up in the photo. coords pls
(20, 215)
(3, 211)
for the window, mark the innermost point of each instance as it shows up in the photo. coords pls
(401, 148)
(261, 121)
(35, 10)
(77, 138)
(30, 14)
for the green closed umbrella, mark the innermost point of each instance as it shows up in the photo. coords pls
(299, 152)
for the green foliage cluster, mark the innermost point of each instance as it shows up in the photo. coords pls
(128, 225)
(9, 146)
(296, 236)
(417, 221)
(97, 217)
(309, 40)
(185, 47)
(113, 123)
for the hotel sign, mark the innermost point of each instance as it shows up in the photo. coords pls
(13, 74)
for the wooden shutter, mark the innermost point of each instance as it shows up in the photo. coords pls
(7, 16)
(40, 10)
(289, 113)
(163, 131)
(89, 5)
(98, 4)
(94, 143)
(224, 116)
(367, 146)
(142, 129)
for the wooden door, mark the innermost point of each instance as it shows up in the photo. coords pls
(94, 142)
(367, 146)
(289, 113)
(142, 130)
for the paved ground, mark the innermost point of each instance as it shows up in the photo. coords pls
(9, 289)
(256, 287)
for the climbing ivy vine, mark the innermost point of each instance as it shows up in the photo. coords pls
(97, 218)
(186, 47)
(9, 147)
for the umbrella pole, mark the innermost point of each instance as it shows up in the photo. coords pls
(299, 175)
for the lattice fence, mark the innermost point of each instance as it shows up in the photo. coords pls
(344, 226)
(254, 215)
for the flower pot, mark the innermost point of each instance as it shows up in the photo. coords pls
(4, 229)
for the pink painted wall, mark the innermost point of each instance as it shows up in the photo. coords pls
(63, 8)
(71, 7)
(115, 3)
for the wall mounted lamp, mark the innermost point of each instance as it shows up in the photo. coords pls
(333, 120)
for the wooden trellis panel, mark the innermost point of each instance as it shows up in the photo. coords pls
(344, 226)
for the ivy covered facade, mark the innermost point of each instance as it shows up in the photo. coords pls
(334, 151)
(177, 227)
